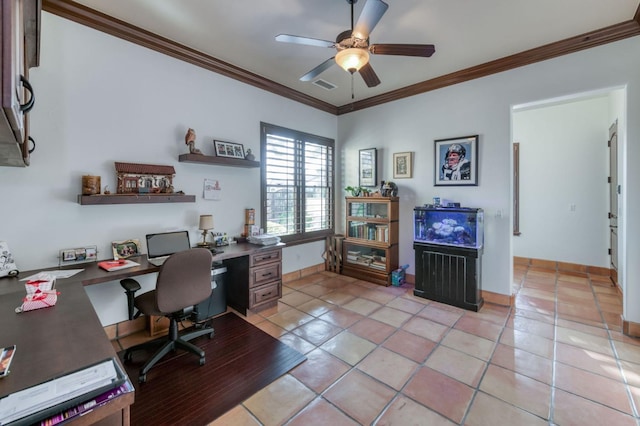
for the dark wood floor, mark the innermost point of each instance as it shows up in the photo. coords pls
(240, 360)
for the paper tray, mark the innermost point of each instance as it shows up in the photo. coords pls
(43, 414)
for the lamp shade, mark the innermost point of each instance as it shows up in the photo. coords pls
(206, 222)
(352, 59)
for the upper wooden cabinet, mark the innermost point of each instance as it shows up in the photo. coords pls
(20, 30)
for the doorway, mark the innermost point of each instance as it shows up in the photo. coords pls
(564, 195)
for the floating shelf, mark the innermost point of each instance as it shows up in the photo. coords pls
(87, 200)
(220, 161)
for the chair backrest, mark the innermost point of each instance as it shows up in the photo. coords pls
(184, 280)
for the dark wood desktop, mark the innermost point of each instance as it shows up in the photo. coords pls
(56, 341)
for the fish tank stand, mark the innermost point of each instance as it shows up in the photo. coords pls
(448, 274)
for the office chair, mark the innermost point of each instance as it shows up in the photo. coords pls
(184, 280)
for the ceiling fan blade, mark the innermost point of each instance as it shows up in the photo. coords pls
(369, 17)
(287, 38)
(318, 70)
(424, 50)
(369, 75)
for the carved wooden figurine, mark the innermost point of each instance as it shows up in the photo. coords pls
(190, 139)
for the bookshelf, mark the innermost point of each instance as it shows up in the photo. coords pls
(370, 247)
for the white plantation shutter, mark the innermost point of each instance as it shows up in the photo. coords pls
(297, 184)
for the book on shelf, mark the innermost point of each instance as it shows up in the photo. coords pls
(115, 265)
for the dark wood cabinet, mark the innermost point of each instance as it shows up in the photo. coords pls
(450, 275)
(255, 281)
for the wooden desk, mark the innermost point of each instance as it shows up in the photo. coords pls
(55, 341)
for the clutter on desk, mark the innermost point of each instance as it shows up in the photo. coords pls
(72, 256)
(117, 264)
(220, 239)
(41, 293)
(8, 266)
(263, 239)
(126, 248)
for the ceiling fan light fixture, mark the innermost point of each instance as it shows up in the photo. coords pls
(352, 59)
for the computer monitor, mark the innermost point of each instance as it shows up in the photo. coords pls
(167, 243)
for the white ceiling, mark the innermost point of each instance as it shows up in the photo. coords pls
(465, 33)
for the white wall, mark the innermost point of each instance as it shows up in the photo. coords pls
(564, 194)
(483, 107)
(100, 99)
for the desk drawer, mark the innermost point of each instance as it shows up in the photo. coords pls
(264, 275)
(265, 294)
(264, 257)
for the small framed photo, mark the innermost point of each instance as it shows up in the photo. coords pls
(229, 149)
(456, 161)
(368, 167)
(125, 249)
(402, 165)
(72, 256)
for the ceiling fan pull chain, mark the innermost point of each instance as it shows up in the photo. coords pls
(353, 96)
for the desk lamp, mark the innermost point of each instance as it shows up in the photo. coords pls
(206, 224)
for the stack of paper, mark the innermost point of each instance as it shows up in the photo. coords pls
(264, 239)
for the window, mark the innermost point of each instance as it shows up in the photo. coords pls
(297, 184)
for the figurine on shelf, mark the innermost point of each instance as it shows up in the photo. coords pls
(190, 139)
(249, 155)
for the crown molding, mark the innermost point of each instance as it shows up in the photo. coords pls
(115, 27)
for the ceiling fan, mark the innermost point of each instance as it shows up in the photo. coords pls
(353, 46)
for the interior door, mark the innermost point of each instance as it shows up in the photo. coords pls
(613, 199)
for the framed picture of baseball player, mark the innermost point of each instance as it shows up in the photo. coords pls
(456, 161)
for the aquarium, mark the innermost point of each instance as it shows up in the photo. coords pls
(460, 226)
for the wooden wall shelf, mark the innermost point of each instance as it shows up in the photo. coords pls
(220, 161)
(87, 200)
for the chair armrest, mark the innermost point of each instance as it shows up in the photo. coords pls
(130, 287)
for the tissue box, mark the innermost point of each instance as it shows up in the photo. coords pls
(41, 282)
(39, 299)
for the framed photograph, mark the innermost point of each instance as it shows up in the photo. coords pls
(125, 249)
(368, 167)
(402, 165)
(229, 149)
(456, 161)
(71, 256)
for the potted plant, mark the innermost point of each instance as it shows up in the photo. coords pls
(354, 190)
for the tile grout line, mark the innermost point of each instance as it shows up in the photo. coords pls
(634, 408)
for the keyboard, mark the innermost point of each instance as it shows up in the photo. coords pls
(158, 261)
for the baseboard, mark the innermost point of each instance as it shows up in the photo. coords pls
(498, 298)
(295, 275)
(630, 328)
(563, 266)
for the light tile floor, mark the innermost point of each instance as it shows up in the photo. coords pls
(380, 355)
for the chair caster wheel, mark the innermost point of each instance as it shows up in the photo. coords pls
(128, 356)
(202, 361)
(142, 378)
(211, 335)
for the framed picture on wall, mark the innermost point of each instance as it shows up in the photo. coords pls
(402, 165)
(368, 167)
(456, 161)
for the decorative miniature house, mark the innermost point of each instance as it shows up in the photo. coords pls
(144, 178)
